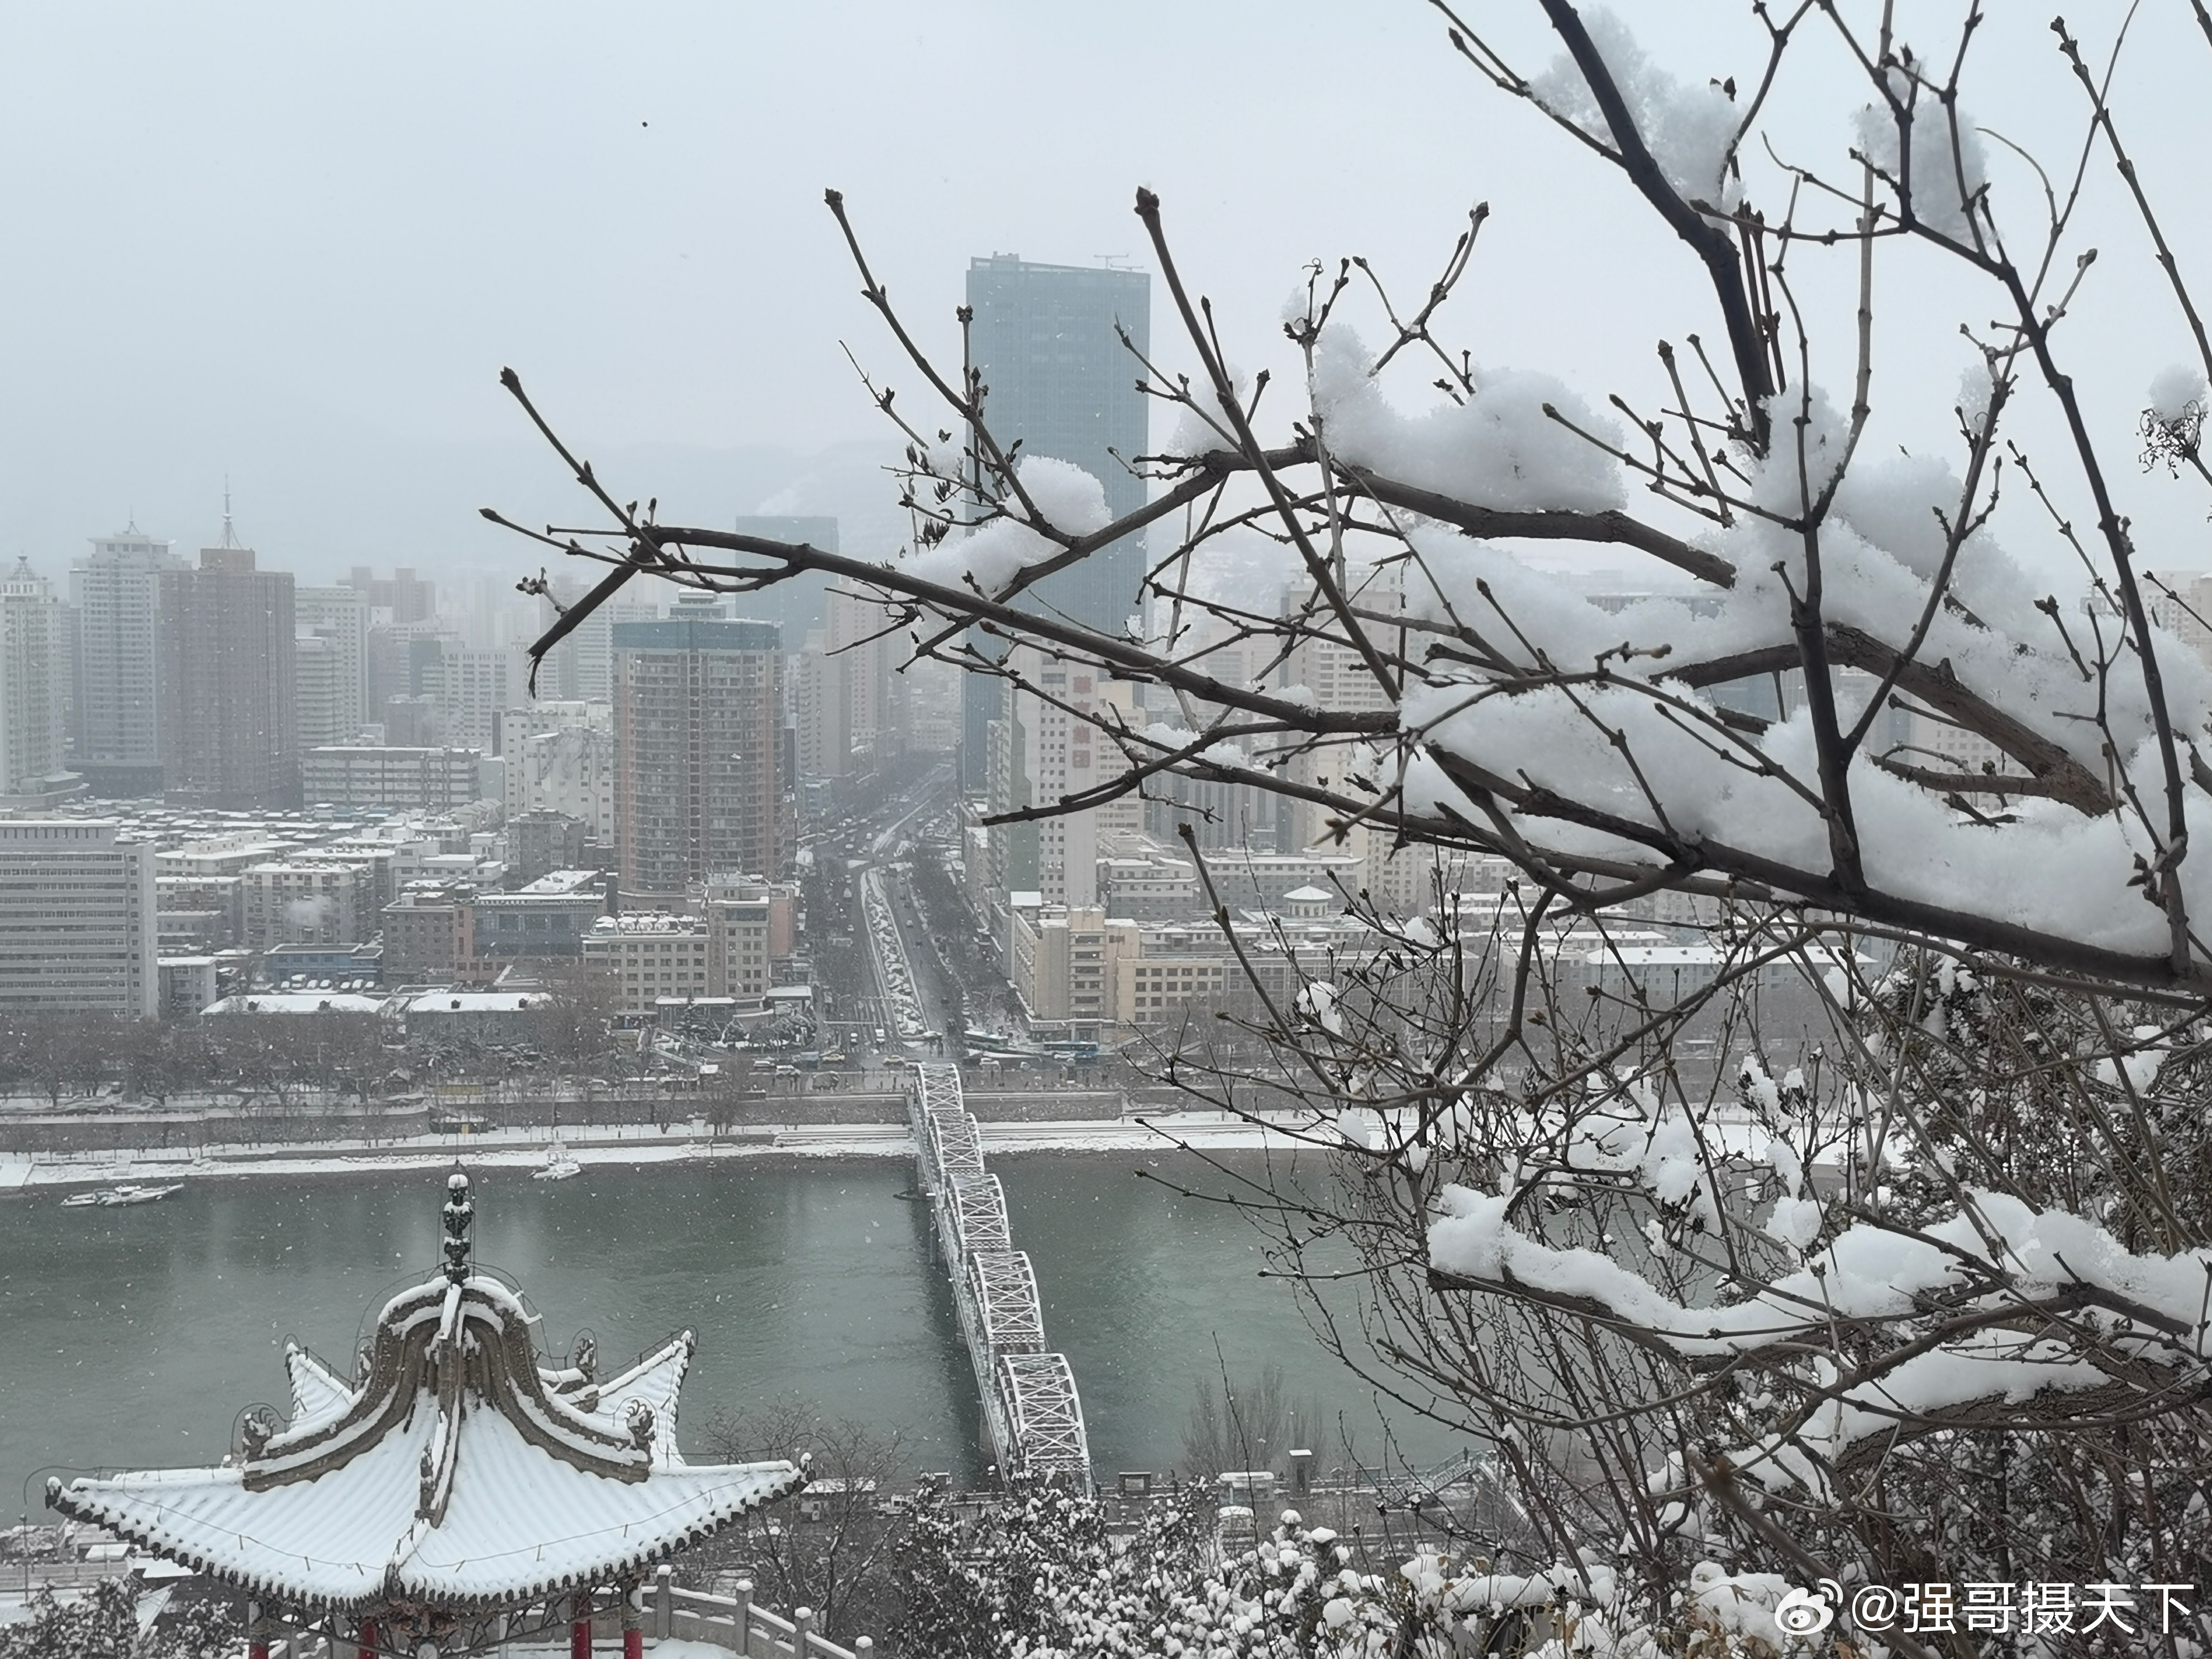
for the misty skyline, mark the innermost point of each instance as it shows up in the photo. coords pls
(294, 249)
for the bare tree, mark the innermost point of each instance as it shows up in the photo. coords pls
(578, 1026)
(830, 1549)
(344, 1052)
(1254, 1422)
(1869, 1249)
(60, 1052)
(724, 1091)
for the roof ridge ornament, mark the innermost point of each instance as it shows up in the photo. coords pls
(460, 1216)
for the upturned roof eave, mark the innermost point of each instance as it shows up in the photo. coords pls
(403, 1579)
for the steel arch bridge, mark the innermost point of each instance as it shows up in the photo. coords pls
(1030, 1401)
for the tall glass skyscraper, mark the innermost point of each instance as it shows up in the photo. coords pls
(1059, 380)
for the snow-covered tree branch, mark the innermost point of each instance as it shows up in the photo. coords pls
(1901, 1270)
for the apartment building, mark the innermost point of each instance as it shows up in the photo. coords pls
(429, 933)
(306, 902)
(750, 925)
(560, 758)
(33, 688)
(474, 687)
(116, 729)
(360, 776)
(331, 664)
(701, 786)
(1057, 964)
(1046, 747)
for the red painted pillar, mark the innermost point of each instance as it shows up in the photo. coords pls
(580, 1629)
(257, 1632)
(633, 1632)
(367, 1639)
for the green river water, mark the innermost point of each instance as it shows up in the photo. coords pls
(132, 1338)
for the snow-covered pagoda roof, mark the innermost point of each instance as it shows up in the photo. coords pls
(453, 1471)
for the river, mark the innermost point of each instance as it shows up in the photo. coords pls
(131, 1338)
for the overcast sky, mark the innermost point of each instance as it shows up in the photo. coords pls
(294, 245)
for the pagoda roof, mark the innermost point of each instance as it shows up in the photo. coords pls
(455, 1471)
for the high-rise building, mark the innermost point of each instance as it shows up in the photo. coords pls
(315, 691)
(1332, 670)
(404, 658)
(401, 595)
(230, 734)
(333, 693)
(701, 785)
(474, 686)
(1047, 342)
(560, 758)
(580, 669)
(76, 919)
(1045, 749)
(32, 771)
(115, 592)
(846, 691)
(795, 605)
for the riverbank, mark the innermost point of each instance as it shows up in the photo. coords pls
(690, 1142)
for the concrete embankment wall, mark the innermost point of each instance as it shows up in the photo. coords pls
(134, 1129)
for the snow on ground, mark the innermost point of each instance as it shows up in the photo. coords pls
(634, 1144)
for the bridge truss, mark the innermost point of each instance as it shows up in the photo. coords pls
(1030, 1401)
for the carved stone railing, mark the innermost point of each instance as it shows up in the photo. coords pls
(735, 1623)
(659, 1609)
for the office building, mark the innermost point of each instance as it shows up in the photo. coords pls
(115, 591)
(229, 721)
(701, 784)
(1059, 379)
(547, 917)
(76, 920)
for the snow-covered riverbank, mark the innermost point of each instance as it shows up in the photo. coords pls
(630, 1144)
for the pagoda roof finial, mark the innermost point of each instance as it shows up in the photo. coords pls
(460, 1216)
